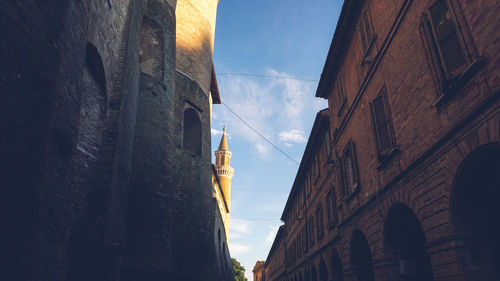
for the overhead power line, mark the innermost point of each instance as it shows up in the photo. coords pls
(269, 76)
(262, 136)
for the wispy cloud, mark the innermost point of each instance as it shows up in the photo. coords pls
(238, 248)
(238, 228)
(293, 136)
(216, 132)
(274, 107)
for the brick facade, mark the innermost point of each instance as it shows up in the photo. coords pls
(406, 188)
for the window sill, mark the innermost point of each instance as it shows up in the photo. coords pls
(384, 159)
(454, 85)
(352, 194)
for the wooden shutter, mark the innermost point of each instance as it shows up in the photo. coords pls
(381, 123)
(446, 38)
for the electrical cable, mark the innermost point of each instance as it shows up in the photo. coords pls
(257, 132)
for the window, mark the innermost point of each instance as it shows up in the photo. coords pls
(304, 241)
(450, 55)
(381, 122)
(327, 144)
(445, 38)
(340, 97)
(311, 231)
(349, 170)
(192, 131)
(316, 166)
(330, 208)
(319, 221)
(151, 52)
(308, 184)
(366, 31)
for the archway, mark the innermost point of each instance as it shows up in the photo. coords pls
(404, 243)
(323, 272)
(476, 213)
(361, 258)
(336, 266)
(314, 276)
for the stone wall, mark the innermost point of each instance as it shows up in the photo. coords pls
(95, 183)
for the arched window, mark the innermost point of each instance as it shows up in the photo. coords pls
(92, 107)
(86, 257)
(192, 131)
(151, 53)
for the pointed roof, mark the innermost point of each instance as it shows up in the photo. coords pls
(223, 142)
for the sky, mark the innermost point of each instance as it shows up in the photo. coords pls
(277, 38)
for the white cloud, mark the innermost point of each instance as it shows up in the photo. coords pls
(270, 106)
(293, 136)
(263, 150)
(239, 227)
(238, 249)
(215, 132)
(272, 234)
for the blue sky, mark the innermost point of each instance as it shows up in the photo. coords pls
(284, 38)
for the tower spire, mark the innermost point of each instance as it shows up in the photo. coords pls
(224, 172)
(223, 142)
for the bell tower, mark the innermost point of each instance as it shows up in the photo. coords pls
(222, 165)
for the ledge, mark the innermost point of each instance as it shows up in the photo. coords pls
(384, 159)
(459, 82)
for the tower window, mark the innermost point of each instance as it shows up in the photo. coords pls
(192, 131)
(151, 53)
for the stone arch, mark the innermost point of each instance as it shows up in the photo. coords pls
(404, 243)
(192, 131)
(323, 271)
(314, 274)
(151, 52)
(361, 257)
(336, 267)
(475, 212)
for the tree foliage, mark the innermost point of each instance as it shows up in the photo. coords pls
(239, 271)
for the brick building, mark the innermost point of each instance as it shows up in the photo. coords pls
(105, 154)
(399, 179)
(259, 271)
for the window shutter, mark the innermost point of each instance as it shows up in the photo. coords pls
(354, 166)
(363, 35)
(446, 37)
(381, 123)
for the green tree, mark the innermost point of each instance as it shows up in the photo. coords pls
(239, 271)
